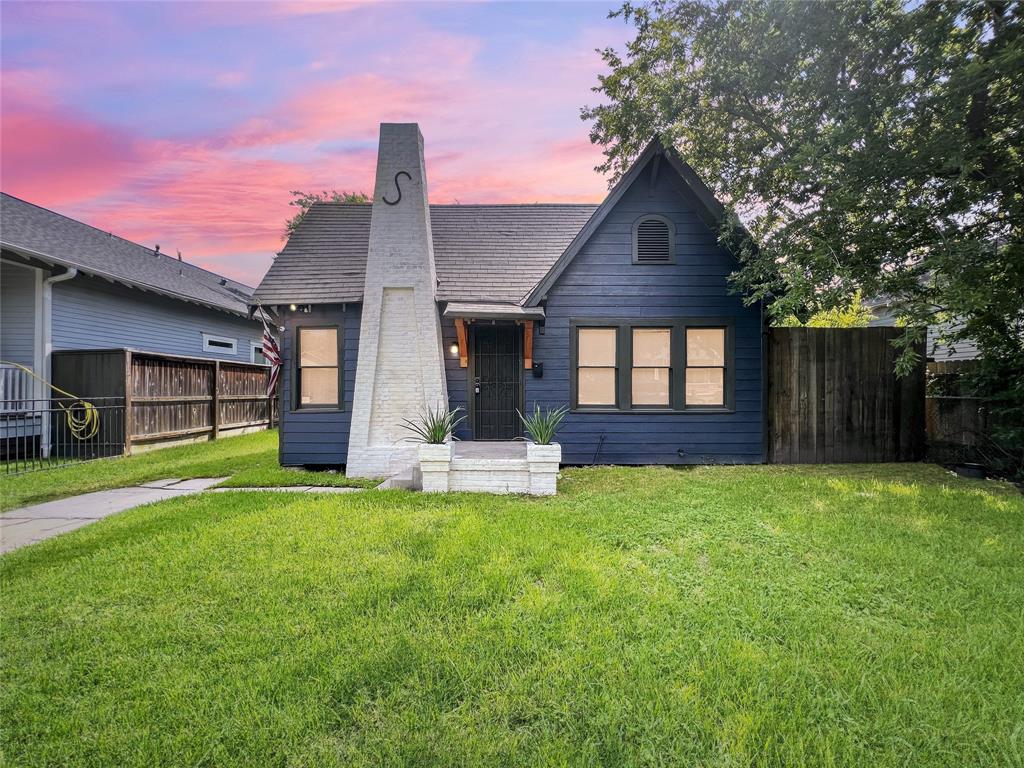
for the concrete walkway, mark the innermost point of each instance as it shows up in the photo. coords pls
(27, 525)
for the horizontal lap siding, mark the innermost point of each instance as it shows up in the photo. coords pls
(89, 313)
(318, 437)
(602, 282)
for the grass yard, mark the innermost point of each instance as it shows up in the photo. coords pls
(786, 616)
(248, 460)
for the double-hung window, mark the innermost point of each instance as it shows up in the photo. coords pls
(318, 379)
(705, 366)
(597, 350)
(652, 365)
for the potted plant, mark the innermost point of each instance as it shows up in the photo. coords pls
(433, 430)
(543, 455)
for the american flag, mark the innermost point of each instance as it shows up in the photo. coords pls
(272, 353)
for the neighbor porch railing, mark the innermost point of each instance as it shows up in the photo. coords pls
(17, 389)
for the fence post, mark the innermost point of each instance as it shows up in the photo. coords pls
(216, 399)
(128, 421)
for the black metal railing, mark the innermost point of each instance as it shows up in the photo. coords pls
(52, 432)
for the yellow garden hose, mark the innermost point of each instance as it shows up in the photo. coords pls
(83, 426)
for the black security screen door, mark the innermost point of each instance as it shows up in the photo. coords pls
(497, 381)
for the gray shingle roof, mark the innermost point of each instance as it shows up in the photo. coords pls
(53, 238)
(481, 252)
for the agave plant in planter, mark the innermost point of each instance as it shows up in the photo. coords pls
(432, 430)
(543, 455)
(434, 426)
(542, 425)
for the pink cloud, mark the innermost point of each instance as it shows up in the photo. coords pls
(53, 154)
(222, 199)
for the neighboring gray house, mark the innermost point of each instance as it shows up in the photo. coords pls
(65, 285)
(884, 315)
(623, 311)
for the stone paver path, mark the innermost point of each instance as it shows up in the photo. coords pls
(28, 525)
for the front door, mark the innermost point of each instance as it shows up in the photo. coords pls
(497, 381)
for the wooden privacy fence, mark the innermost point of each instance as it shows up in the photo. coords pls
(834, 397)
(957, 423)
(170, 398)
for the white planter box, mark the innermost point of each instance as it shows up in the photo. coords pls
(507, 468)
(544, 461)
(435, 463)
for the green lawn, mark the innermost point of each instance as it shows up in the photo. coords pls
(861, 616)
(249, 460)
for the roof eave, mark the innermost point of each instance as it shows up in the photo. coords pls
(92, 271)
(534, 297)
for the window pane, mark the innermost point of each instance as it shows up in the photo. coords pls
(650, 386)
(319, 386)
(705, 386)
(597, 346)
(596, 386)
(318, 346)
(705, 346)
(652, 346)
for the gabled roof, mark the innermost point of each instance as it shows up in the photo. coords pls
(483, 253)
(710, 210)
(496, 254)
(42, 235)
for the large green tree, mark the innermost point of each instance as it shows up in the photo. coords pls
(866, 145)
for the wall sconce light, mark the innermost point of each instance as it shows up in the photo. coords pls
(454, 349)
(293, 307)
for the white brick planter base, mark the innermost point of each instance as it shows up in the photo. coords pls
(490, 468)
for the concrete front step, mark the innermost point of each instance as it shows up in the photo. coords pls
(406, 479)
(490, 465)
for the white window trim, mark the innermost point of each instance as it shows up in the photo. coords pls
(232, 350)
(256, 354)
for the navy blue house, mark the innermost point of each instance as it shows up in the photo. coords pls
(621, 311)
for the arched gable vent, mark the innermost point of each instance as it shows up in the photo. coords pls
(653, 241)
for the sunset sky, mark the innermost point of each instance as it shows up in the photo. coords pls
(187, 124)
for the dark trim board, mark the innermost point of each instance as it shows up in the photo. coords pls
(295, 405)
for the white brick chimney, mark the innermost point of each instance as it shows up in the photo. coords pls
(400, 369)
